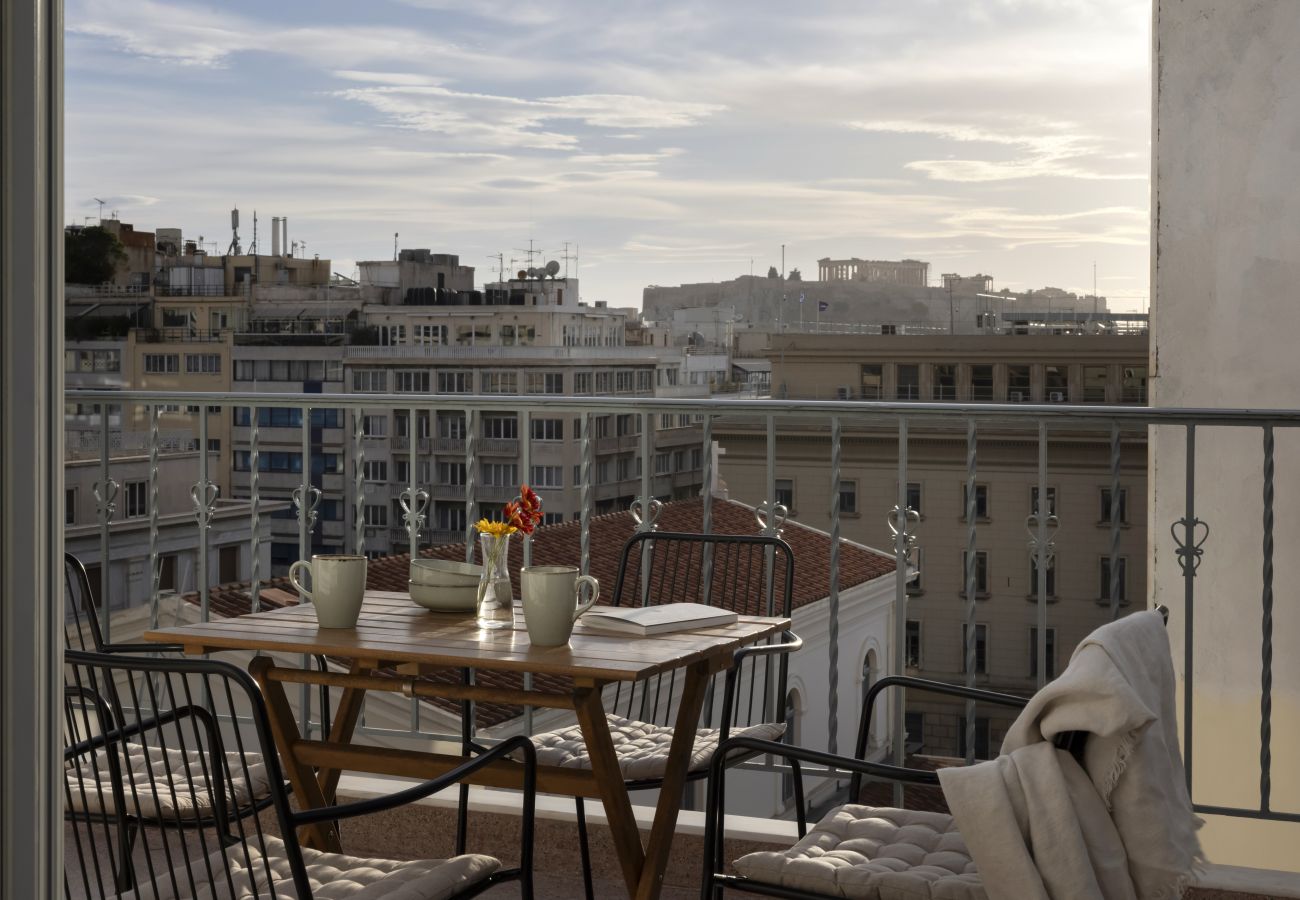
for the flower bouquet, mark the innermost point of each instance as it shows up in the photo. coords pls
(495, 597)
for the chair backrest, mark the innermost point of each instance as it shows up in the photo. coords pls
(184, 751)
(81, 617)
(749, 574)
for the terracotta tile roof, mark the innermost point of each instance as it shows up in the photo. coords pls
(561, 545)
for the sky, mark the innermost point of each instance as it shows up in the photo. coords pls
(664, 142)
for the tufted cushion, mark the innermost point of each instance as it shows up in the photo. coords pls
(158, 794)
(867, 853)
(642, 748)
(333, 876)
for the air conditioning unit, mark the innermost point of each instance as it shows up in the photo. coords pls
(1017, 396)
(1057, 396)
(843, 393)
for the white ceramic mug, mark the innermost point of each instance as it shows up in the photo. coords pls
(551, 602)
(338, 585)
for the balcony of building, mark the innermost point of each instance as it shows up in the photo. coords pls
(844, 470)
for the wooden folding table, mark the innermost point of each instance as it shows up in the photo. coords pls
(397, 636)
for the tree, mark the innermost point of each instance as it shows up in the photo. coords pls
(91, 255)
(772, 272)
(795, 275)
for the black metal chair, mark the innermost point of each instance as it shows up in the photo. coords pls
(83, 632)
(749, 574)
(213, 715)
(732, 751)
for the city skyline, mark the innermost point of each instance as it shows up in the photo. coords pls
(668, 144)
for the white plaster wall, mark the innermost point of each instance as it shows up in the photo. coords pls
(1225, 313)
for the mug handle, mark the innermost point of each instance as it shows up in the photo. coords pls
(293, 578)
(595, 594)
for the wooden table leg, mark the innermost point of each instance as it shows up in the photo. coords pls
(285, 729)
(604, 768)
(670, 794)
(345, 722)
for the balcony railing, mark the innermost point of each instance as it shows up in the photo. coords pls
(487, 351)
(971, 427)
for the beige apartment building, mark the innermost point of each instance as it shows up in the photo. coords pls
(996, 368)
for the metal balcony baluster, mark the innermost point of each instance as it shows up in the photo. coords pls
(1266, 644)
(155, 572)
(105, 491)
(833, 596)
(1115, 509)
(588, 449)
(971, 586)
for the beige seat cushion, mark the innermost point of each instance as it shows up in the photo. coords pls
(333, 876)
(642, 748)
(867, 853)
(166, 782)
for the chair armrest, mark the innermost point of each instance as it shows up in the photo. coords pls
(502, 750)
(142, 648)
(790, 642)
(727, 756)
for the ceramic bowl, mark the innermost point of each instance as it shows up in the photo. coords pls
(444, 573)
(442, 598)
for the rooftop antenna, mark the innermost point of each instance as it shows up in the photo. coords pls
(501, 266)
(394, 246)
(252, 248)
(233, 249)
(565, 256)
(531, 251)
(101, 207)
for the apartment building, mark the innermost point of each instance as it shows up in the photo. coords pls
(1006, 368)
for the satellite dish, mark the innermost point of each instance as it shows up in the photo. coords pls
(532, 272)
(552, 268)
(521, 274)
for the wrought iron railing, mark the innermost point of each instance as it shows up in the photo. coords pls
(968, 424)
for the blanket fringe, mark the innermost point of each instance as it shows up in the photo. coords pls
(1126, 748)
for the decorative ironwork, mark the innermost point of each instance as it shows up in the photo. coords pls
(771, 516)
(306, 512)
(1048, 528)
(1190, 547)
(413, 507)
(203, 495)
(646, 514)
(105, 499)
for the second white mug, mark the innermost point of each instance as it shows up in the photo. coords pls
(551, 602)
(338, 585)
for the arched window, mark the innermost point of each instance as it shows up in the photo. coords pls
(790, 737)
(871, 672)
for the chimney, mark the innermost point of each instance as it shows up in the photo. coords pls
(275, 235)
(284, 237)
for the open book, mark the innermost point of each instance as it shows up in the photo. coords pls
(646, 620)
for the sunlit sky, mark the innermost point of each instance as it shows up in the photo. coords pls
(666, 142)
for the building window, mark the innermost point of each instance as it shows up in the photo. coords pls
(908, 382)
(392, 335)
(873, 382)
(451, 426)
(1106, 510)
(430, 335)
(944, 386)
(450, 517)
(582, 382)
(137, 499)
(455, 382)
(552, 518)
(162, 363)
(914, 496)
(848, 497)
(1133, 389)
(374, 426)
(1018, 384)
(500, 383)
(1122, 579)
(375, 514)
(402, 471)
(1033, 577)
(500, 474)
(1094, 384)
(914, 726)
(604, 382)
(981, 572)
(69, 506)
(544, 383)
(402, 421)
(93, 361)
(1033, 501)
(622, 382)
(376, 470)
(501, 427)
(912, 655)
(548, 429)
(1051, 653)
(451, 473)
(1056, 384)
(411, 381)
(981, 501)
(785, 493)
(548, 476)
(214, 445)
(202, 364)
(167, 572)
(369, 381)
(981, 648)
(981, 383)
(663, 463)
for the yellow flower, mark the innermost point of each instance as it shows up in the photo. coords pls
(496, 529)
